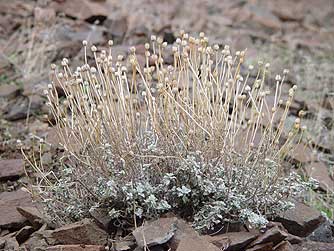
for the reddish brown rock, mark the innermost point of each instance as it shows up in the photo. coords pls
(36, 102)
(44, 15)
(294, 239)
(319, 172)
(260, 17)
(117, 28)
(77, 247)
(9, 91)
(82, 9)
(32, 215)
(101, 216)
(262, 247)
(154, 233)
(328, 102)
(233, 241)
(182, 230)
(17, 109)
(273, 235)
(286, 11)
(52, 137)
(11, 169)
(37, 241)
(301, 220)
(302, 154)
(283, 246)
(195, 243)
(10, 217)
(82, 232)
(187, 239)
(23, 234)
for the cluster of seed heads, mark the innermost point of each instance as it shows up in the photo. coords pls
(160, 105)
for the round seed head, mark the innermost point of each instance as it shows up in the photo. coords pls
(160, 40)
(93, 70)
(93, 48)
(133, 49)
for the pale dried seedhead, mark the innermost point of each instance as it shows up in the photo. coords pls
(205, 123)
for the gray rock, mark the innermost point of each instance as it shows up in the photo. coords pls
(11, 245)
(314, 246)
(323, 233)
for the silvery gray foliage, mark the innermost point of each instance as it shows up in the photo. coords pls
(210, 192)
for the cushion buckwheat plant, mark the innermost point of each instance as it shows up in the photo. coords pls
(196, 136)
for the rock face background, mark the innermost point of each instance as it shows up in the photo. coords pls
(297, 35)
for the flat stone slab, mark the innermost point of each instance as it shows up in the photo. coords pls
(83, 232)
(11, 169)
(301, 220)
(156, 232)
(233, 241)
(10, 218)
(76, 247)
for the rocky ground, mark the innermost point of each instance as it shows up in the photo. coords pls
(297, 35)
